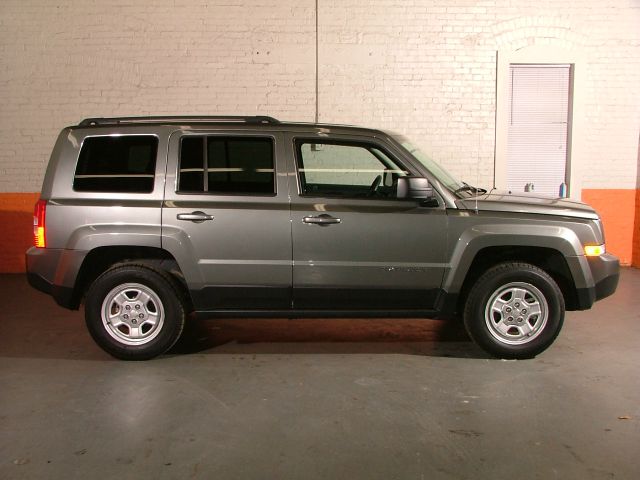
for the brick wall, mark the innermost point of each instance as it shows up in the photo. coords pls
(423, 67)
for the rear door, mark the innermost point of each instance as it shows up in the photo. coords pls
(355, 245)
(225, 218)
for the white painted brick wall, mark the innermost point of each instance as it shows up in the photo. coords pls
(422, 67)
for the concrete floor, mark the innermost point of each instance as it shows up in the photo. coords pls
(306, 399)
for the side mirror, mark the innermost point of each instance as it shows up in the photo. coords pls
(416, 188)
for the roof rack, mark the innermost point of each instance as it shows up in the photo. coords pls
(87, 122)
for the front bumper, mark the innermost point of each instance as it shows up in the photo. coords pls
(605, 271)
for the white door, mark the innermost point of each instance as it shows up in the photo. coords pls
(539, 128)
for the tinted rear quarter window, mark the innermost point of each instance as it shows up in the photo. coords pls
(117, 164)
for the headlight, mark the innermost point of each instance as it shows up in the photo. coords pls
(594, 250)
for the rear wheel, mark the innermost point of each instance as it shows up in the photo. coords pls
(514, 310)
(134, 312)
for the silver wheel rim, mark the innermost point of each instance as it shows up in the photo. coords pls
(516, 313)
(132, 314)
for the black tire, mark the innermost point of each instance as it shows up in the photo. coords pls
(152, 304)
(501, 323)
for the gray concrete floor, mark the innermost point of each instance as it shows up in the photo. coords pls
(306, 399)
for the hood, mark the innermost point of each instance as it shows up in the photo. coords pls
(528, 203)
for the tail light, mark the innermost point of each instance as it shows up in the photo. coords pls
(39, 232)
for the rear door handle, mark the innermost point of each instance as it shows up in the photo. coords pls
(196, 217)
(322, 220)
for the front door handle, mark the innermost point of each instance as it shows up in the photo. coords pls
(322, 220)
(196, 217)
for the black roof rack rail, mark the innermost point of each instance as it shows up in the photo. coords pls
(260, 119)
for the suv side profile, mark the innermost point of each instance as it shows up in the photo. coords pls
(147, 220)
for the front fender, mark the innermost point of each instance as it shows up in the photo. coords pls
(475, 238)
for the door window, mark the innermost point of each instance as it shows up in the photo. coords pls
(346, 169)
(226, 165)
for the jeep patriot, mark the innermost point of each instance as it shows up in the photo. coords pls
(148, 220)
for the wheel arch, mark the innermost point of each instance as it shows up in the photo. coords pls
(547, 259)
(100, 259)
(556, 250)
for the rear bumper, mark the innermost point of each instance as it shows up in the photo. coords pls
(39, 283)
(44, 274)
(62, 295)
(605, 271)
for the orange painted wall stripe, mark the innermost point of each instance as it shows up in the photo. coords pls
(16, 229)
(620, 213)
(635, 261)
(619, 209)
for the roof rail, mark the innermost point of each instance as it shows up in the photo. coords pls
(87, 122)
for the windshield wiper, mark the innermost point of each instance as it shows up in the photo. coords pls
(468, 188)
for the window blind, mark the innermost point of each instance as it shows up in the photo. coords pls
(538, 126)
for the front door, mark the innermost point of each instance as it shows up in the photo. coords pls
(226, 219)
(355, 245)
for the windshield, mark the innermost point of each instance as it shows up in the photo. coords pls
(444, 177)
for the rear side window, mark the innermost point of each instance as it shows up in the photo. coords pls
(226, 165)
(117, 164)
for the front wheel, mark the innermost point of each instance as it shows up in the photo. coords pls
(514, 310)
(134, 312)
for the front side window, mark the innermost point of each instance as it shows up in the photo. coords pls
(116, 164)
(226, 165)
(346, 170)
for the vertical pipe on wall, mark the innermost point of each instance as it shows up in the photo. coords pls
(495, 124)
(316, 116)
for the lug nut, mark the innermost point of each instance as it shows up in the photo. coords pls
(510, 319)
(508, 309)
(141, 315)
(520, 319)
(517, 304)
(128, 307)
(137, 307)
(125, 316)
(134, 321)
(523, 311)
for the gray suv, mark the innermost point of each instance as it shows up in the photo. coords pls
(149, 220)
